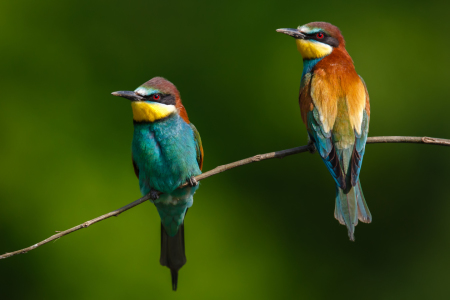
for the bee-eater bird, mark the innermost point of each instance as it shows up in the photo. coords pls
(334, 105)
(166, 151)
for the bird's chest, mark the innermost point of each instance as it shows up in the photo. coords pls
(339, 97)
(164, 153)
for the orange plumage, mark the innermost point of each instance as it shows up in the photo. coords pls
(335, 108)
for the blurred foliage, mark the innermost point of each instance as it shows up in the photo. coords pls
(263, 231)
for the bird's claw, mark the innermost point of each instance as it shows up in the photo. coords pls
(311, 147)
(193, 182)
(154, 195)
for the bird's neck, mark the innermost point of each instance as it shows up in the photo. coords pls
(338, 57)
(309, 64)
(171, 120)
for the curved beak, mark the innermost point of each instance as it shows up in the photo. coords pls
(132, 96)
(292, 32)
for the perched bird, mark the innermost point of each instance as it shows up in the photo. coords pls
(166, 151)
(335, 108)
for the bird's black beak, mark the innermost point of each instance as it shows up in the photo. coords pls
(292, 32)
(132, 96)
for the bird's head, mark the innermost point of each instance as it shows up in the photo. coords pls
(156, 99)
(316, 40)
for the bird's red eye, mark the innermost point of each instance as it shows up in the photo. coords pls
(156, 97)
(319, 35)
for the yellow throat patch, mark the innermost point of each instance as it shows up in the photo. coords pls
(151, 112)
(311, 50)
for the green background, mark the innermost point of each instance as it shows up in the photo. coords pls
(262, 231)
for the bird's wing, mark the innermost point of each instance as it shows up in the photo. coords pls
(198, 146)
(360, 140)
(322, 139)
(324, 144)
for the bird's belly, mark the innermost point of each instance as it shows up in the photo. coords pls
(178, 196)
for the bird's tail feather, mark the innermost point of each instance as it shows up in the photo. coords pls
(351, 206)
(173, 253)
(346, 210)
(364, 214)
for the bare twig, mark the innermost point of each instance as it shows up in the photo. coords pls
(223, 168)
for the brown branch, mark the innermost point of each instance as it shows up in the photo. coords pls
(223, 168)
(408, 139)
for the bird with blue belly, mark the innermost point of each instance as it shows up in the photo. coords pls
(334, 105)
(166, 152)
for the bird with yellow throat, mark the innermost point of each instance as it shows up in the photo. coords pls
(167, 151)
(334, 105)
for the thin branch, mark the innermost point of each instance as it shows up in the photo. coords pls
(223, 168)
(408, 139)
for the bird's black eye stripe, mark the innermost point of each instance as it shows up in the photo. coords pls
(155, 97)
(163, 98)
(326, 38)
(313, 36)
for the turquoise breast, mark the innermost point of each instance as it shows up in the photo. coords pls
(165, 154)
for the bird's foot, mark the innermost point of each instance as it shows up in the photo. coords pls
(311, 147)
(193, 182)
(154, 194)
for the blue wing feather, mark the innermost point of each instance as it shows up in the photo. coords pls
(323, 142)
